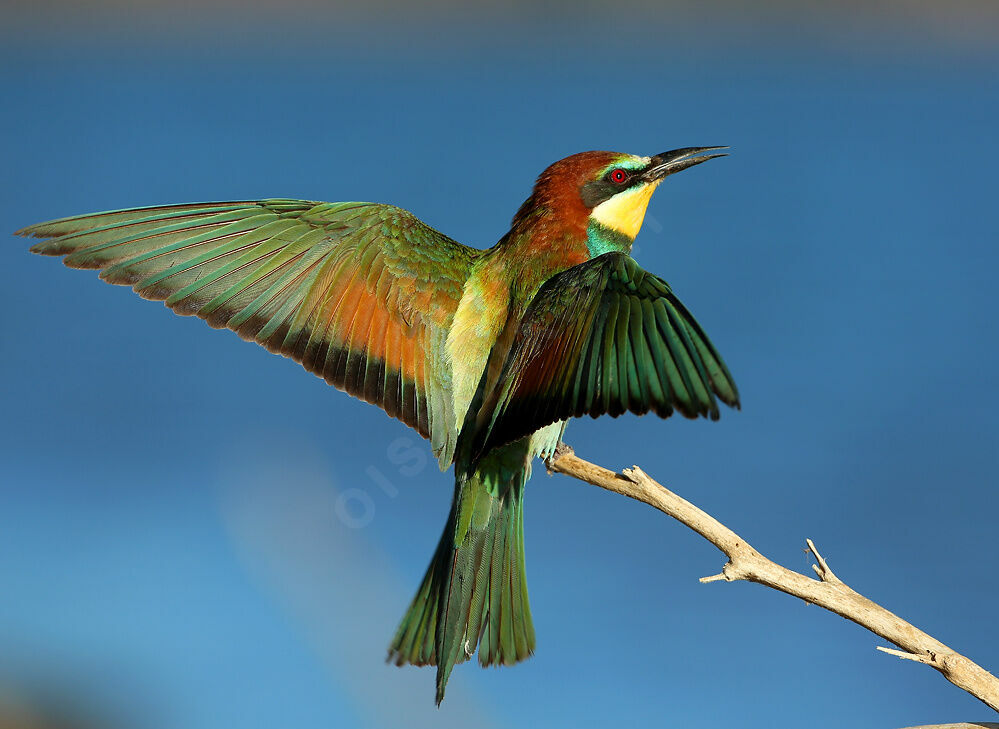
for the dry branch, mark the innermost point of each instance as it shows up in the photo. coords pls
(829, 592)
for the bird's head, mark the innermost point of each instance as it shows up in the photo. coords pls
(607, 193)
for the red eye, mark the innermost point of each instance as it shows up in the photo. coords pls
(618, 176)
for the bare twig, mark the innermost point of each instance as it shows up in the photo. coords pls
(918, 658)
(829, 592)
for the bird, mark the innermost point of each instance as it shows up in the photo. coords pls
(486, 353)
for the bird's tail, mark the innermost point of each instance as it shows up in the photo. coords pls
(474, 593)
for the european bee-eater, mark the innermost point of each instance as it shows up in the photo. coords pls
(486, 353)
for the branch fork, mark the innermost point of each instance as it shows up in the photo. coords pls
(825, 590)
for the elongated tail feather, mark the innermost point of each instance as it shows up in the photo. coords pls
(474, 594)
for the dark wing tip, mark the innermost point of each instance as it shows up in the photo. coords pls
(32, 231)
(43, 249)
(732, 401)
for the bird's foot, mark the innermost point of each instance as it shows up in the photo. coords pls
(561, 449)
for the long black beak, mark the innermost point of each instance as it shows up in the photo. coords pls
(679, 159)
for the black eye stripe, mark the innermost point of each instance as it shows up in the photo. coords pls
(597, 191)
(631, 177)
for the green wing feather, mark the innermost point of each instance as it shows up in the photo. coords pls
(604, 336)
(361, 294)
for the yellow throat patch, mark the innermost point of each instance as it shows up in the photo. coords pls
(625, 211)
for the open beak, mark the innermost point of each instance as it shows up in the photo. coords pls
(679, 159)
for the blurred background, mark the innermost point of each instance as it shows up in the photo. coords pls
(195, 533)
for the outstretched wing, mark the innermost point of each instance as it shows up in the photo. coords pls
(604, 336)
(361, 294)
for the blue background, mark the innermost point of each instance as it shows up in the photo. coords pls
(196, 533)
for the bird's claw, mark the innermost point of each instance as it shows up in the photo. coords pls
(561, 449)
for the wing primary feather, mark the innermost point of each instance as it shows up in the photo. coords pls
(693, 368)
(391, 388)
(608, 387)
(639, 359)
(622, 403)
(718, 373)
(283, 332)
(267, 260)
(228, 232)
(103, 238)
(594, 363)
(248, 260)
(678, 378)
(110, 218)
(286, 267)
(658, 384)
(326, 278)
(341, 318)
(561, 367)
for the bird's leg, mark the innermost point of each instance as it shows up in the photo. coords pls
(561, 449)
